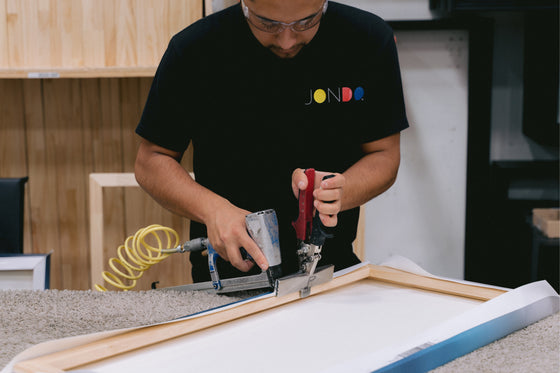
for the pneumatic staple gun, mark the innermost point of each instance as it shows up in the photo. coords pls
(263, 229)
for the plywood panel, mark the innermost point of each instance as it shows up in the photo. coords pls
(85, 37)
(93, 26)
(65, 145)
(12, 140)
(142, 211)
(41, 204)
(12, 143)
(59, 131)
(4, 56)
(126, 39)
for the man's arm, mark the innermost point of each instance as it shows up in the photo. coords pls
(160, 174)
(373, 174)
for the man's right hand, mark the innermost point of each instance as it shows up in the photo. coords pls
(227, 232)
(159, 173)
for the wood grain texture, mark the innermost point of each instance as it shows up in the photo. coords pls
(83, 38)
(57, 132)
(4, 56)
(139, 212)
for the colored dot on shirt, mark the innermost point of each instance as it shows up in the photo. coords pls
(346, 94)
(320, 96)
(358, 93)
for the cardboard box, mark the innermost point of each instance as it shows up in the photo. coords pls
(548, 221)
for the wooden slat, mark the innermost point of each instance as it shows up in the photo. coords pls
(126, 38)
(178, 12)
(133, 94)
(93, 27)
(40, 54)
(62, 133)
(65, 150)
(64, 72)
(73, 40)
(85, 37)
(150, 32)
(12, 143)
(140, 211)
(14, 29)
(43, 206)
(4, 50)
(43, 228)
(359, 244)
(399, 277)
(108, 157)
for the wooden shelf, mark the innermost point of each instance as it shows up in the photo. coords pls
(85, 72)
(89, 38)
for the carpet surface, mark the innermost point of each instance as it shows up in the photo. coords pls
(30, 317)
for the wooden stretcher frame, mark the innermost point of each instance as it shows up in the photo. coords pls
(100, 350)
(97, 183)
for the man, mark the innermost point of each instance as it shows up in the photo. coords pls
(263, 90)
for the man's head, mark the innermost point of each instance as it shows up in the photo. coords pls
(284, 26)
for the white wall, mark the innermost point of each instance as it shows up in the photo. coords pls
(422, 217)
(395, 10)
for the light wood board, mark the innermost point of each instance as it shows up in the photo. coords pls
(89, 38)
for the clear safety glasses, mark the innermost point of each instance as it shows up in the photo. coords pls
(276, 27)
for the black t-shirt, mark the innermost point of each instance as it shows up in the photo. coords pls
(253, 117)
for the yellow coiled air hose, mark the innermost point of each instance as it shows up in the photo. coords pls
(137, 255)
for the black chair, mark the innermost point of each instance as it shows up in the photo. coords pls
(11, 214)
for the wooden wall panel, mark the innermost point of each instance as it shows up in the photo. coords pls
(141, 212)
(94, 26)
(65, 144)
(4, 57)
(12, 138)
(88, 36)
(12, 142)
(41, 204)
(57, 132)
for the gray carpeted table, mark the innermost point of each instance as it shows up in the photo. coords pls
(31, 317)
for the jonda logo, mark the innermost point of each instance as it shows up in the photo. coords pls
(340, 94)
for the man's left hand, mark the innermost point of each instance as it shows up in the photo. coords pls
(327, 193)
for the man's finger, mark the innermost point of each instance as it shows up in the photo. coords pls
(334, 181)
(256, 253)
(237, 260)
(327, 195)
(299, 181)
(327, 208)
(329, 220)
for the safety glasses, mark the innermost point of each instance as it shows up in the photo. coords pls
(276, 27)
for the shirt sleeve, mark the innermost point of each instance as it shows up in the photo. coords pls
(168, 115)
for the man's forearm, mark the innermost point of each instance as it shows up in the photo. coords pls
(373, 174)
(159, 173)
(163, 177)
